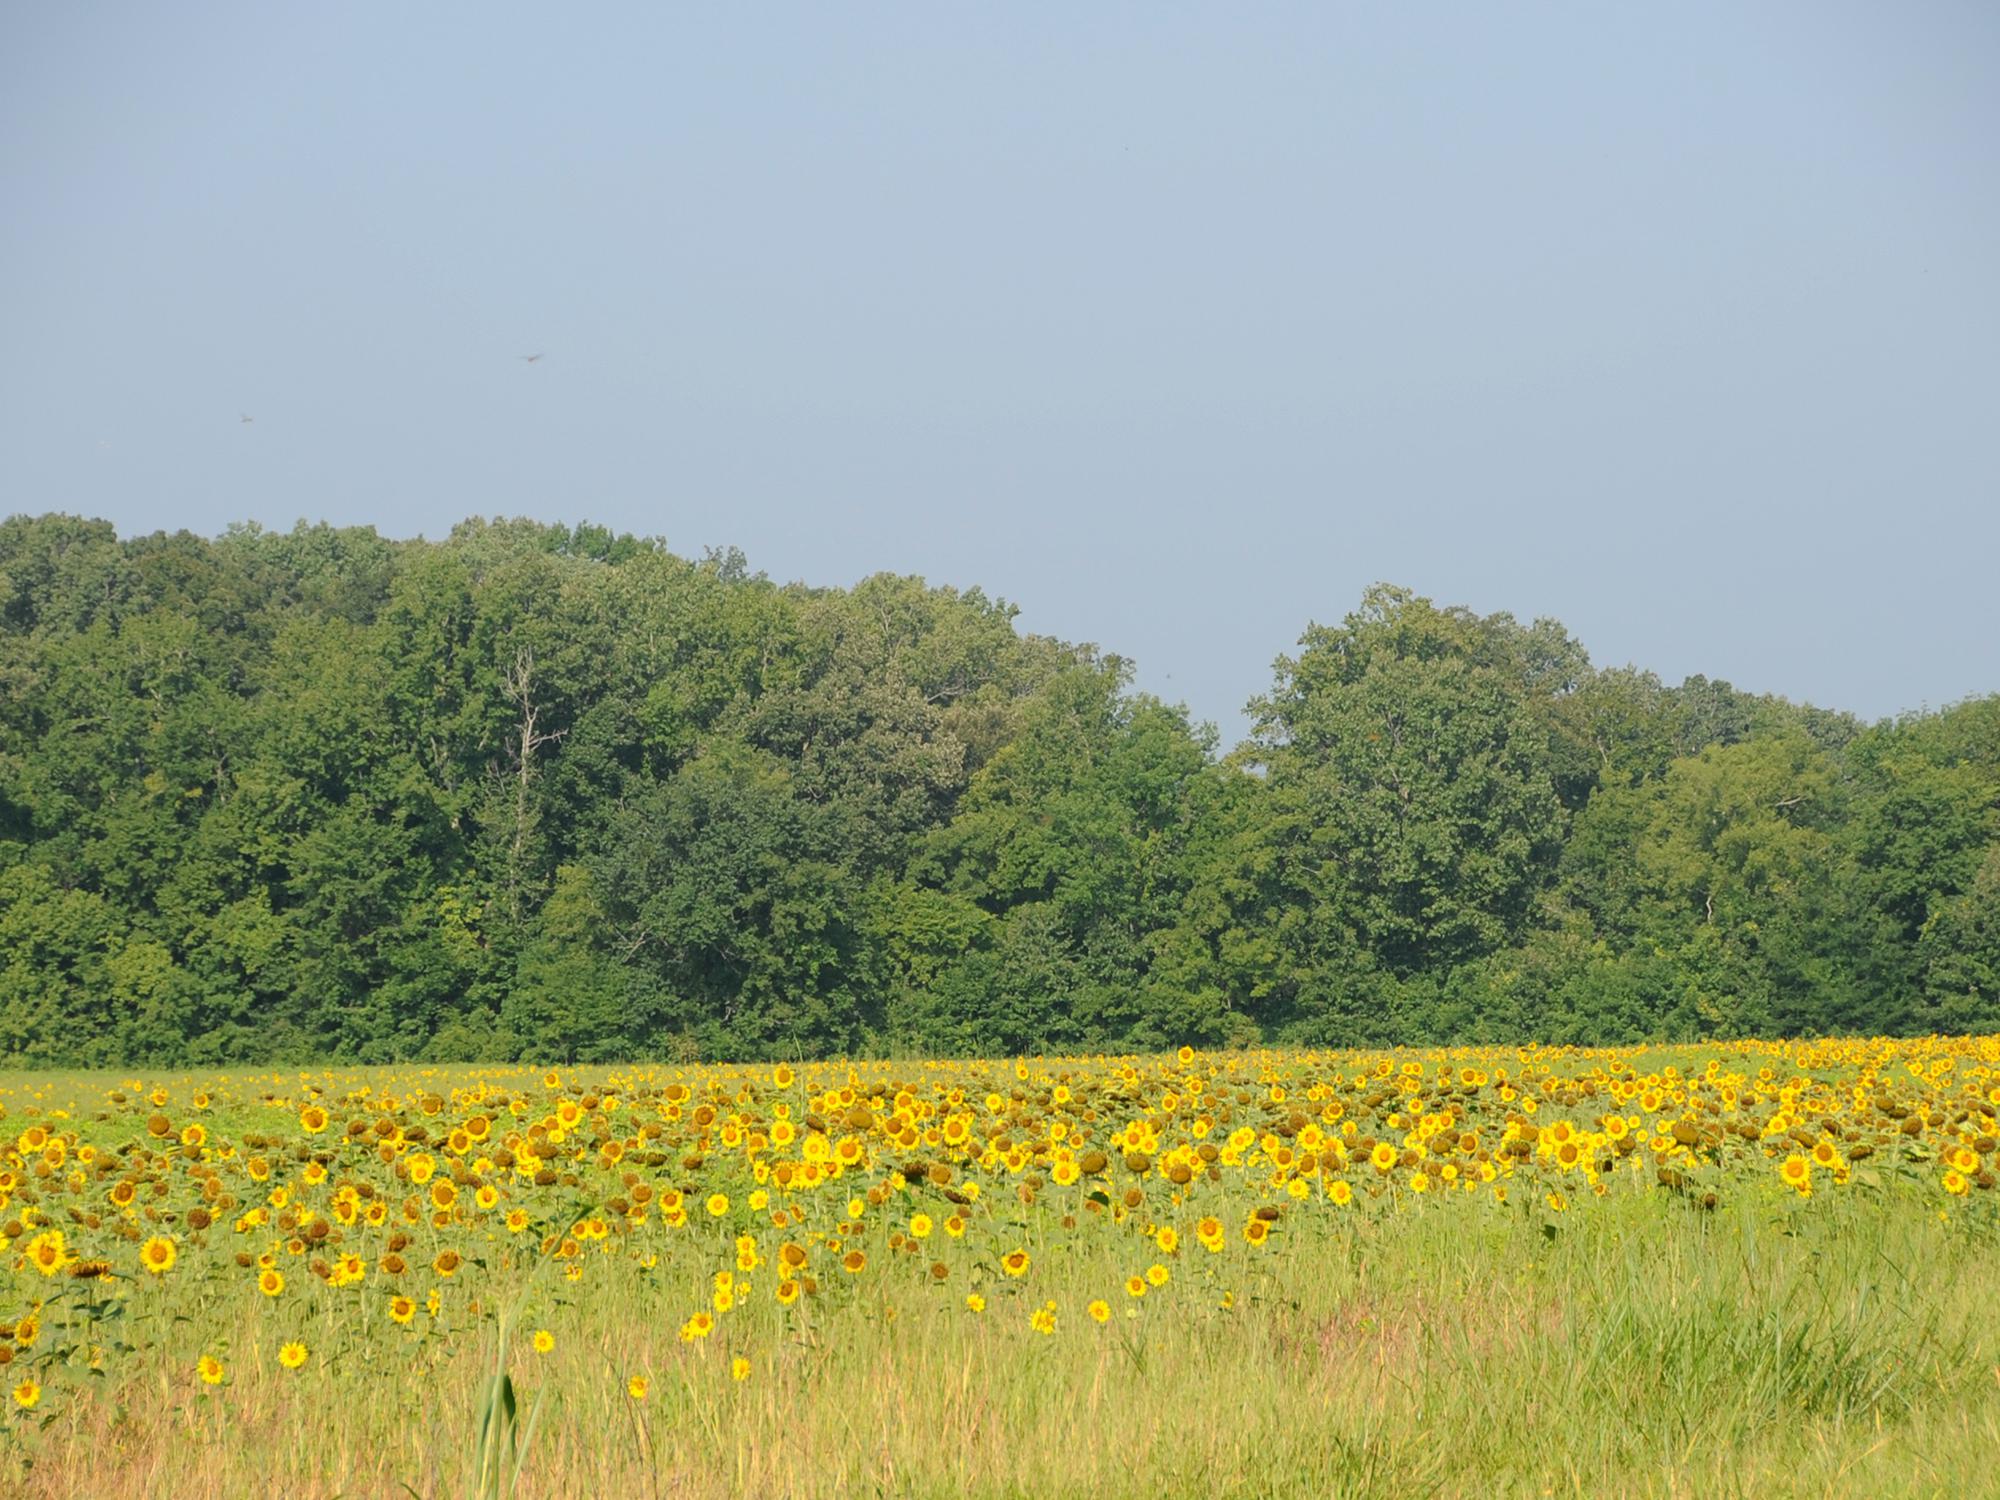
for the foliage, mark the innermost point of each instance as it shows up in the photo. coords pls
(554, 791)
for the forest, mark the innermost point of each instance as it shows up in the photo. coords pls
(545, 792)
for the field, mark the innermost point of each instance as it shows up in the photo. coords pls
(1755, 1268)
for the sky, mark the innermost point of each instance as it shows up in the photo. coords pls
(1175, 326)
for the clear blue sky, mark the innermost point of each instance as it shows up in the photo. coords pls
(1176, 325)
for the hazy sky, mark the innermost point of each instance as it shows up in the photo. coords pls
(1175, 325)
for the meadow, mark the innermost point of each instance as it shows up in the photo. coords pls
(1753, 1268)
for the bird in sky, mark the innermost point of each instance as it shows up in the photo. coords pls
(247, 417)
(530, 358)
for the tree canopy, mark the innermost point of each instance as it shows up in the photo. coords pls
(550, 792)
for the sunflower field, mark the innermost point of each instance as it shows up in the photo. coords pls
(1768, 1267)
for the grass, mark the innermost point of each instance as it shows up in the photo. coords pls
(1632, 1344)
(1650, 1353)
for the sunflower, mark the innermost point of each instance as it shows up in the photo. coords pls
(974, 1302)
(401, 1309)
(209, 1370)
(1341, 1192)
(293, 1355)
(1100, 1311)
(1015, 1262)
(637, 1387)
(312, 1119)
(27, 1393)
(739, 1368)
(1044, 1319)
(157, 1255)
(47, 1252)
(543, 1341)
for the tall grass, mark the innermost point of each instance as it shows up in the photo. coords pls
(1640, 1349)
(501, 1440)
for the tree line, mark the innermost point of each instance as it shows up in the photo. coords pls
(546, 792)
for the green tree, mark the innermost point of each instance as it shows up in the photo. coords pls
(1417, 807)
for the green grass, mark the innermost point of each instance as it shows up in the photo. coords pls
(1642, 1349)
(1410, 1344)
